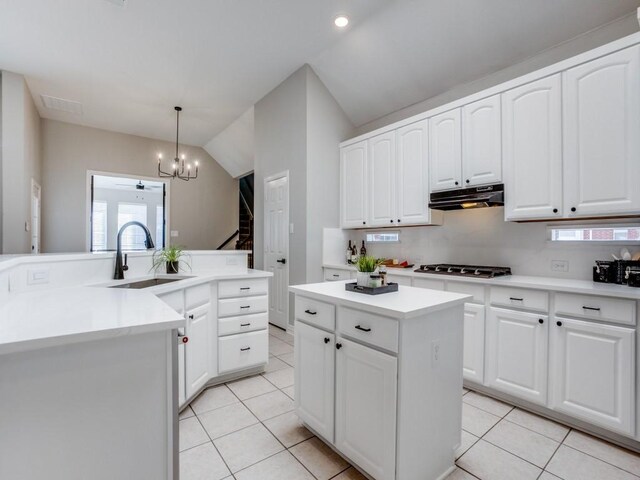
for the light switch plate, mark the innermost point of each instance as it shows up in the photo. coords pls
(559, 266)
(174, 233)
(37, 276)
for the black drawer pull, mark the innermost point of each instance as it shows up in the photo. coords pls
(358, 327)
(515, 299)
(540, 321)
(595, 309)
(245, 349)
(338, 346)
(336, 274)
(190, 317)
(245, 306)
(245, 288)
(310, 312)
(327, 339)
(559, 323)
(245, 324)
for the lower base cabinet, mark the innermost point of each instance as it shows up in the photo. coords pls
(592, 375)
(473, 347)
(366, 389)
(198, 351)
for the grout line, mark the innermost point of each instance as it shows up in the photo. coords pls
(556, 450)
(214, 445)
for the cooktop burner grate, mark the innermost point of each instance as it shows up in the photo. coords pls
(476, 271)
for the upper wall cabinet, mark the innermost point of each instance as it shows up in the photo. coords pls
(532, 146)
(382, 180)
(353, 185)
(445, 150)
(602, 135)
(481, 146)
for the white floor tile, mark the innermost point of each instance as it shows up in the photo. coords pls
(319, 459)
(477, 421)
(212, 398)
(524, 443)
(281, 378)
(225, 420)
(489, 462)
(278, 347)
(251, 387)
(278, 467)
(288, 429)
(459, 474)
(570, 464)
(186, 413)
(607, 452)
(191, 433)
(288, 358)
(245, 447)
(269, 405)
(467, 440)
(290, 392)
(487, 404)
(350, 474)
(202, 463)
(275, 364)
(548, 476)
(541, 425)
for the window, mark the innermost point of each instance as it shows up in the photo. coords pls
(99, 227)
(133, 237)
(622, 234)
(383, 237)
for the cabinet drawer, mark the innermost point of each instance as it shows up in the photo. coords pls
(334, 274)
(369, 328)
(243, 323)
(599, 308)
(242, 306)
(174, 299)
(431, 283)
(520, 298)
(473, 289)
(316, 313)
(243, 350)
(198, 295)
(243, 288)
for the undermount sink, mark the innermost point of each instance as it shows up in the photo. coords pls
(152, 282)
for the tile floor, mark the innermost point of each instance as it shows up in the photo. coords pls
(247, 430)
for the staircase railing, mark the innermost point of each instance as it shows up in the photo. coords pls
(228, 240)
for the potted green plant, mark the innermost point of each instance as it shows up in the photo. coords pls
(366, 265)
(170, 257)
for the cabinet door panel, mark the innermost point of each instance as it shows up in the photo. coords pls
(602, 144)
(382, 180)
(314, 378)
(353, 185)
(473, 356)
(413, 174)
(366, 389)
(481, 142)
(517, 354)
(532, 149)
(592, 373)
(198, 349)
(445, 151)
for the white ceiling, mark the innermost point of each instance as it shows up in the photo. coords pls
(129, 66)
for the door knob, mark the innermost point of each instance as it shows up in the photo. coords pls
(327, 339)
(282, 261)
(338, 346)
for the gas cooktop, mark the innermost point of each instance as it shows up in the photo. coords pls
(474, 271)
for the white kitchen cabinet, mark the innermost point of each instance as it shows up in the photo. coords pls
(354, 185)
(592, 373)
(517, 346)
(382, 180)
(445, 151)
(473, 347)
(366, 383)
(601, 140)
(412, 174)
(482, 142)
(532, 149)
(198, 349)
(314, 378)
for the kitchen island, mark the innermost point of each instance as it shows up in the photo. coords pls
(379, 378)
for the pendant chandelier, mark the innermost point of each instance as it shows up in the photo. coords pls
(178, 167)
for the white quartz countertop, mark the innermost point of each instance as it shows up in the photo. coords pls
(407, 302)
(58, 316)
(522, 281)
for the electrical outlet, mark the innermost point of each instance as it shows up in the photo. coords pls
(435, 353)
(559, 266)
(174, 233)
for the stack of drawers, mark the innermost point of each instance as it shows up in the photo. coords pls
(243, 339)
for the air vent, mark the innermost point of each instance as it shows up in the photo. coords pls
(61, 104)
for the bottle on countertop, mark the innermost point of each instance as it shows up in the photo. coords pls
(354, 253)
(363, 250)
(349, 252)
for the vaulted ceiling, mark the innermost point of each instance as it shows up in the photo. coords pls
(129, 65)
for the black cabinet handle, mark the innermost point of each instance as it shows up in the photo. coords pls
(399, 220)
(364, 223)
(540, 321)
(191, 317)
(245, 349)
(467, 181)
(245, 288)
(310, 312)
(245, 324)
(595, 309)
(559, 323)
(327, 339)
(338, 346)
(456, 183)
(282, 261)
(336, 274)
(573, 209)
(358, 327)
(391, 220)
(555, 210)
(245, 306)
(515, 299)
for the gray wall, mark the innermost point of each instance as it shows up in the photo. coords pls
(204, 211)
(21, 161)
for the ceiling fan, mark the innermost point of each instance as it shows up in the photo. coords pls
(140, 186)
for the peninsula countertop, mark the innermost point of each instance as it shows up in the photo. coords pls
(407, 302)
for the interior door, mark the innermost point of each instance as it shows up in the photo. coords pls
(482, 142)
(445, 151)
(382, 174)
(276, 246)
(412, 174)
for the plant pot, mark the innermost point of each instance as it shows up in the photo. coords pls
(363, 278)
(173, 267)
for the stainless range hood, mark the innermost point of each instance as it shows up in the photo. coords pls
(464, 198)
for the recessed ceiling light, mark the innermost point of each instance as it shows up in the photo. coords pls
(341, 21)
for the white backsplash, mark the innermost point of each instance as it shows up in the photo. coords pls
(479, 237)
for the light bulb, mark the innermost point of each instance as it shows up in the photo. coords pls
(341, 21)
(174, 166)
(188, 166)
(183, 156)
(197, 163)
(159, 156)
